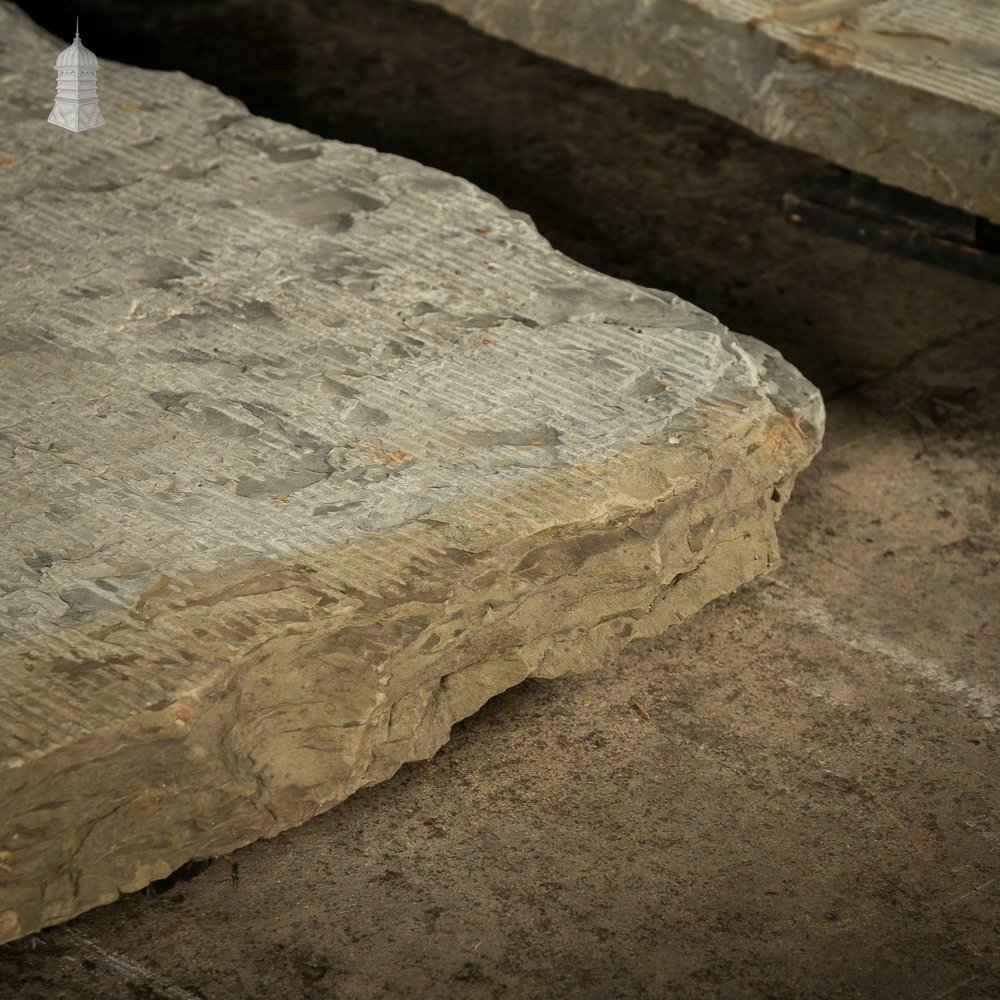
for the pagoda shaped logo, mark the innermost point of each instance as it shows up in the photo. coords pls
(76, 106)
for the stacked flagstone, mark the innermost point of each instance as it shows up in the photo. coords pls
(308, 451)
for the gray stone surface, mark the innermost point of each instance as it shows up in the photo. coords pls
(907, 91)
(308, 451)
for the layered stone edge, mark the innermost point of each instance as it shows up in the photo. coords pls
(245, 757)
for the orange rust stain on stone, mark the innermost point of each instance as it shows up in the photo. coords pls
(380, 453)
(183, 715)
(827, 52)
(784, 436)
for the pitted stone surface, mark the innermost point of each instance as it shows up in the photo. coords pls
(907, 91)
(308, 451)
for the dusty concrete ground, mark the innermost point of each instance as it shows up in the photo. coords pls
(811, 808)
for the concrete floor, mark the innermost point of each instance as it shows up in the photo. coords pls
(811, 808)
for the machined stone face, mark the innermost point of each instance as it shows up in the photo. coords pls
(904, 90)
(308, 451)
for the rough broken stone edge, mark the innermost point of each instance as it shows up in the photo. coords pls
(154, 742)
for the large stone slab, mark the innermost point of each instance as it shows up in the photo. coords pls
(308, 451)
(907, 91)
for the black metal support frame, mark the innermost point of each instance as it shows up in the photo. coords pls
(859, 208)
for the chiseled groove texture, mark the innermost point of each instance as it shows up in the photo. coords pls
(308, 452)
(907, 91)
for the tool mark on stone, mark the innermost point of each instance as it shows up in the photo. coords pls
(331, 210)
(539, 435)
(77, 668)
(281, 484)
(289, 155)
(184, 172)
(158, 271)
